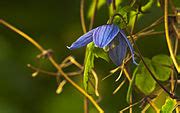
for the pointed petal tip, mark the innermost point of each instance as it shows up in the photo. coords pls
(69, 47)
(130, 46)
(134, 62)
(82, 40)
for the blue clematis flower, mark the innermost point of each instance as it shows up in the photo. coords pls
(110, 36)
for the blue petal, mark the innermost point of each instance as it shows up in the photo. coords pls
(130, 46)
(83, 40)
(118, 53)
(104, 34)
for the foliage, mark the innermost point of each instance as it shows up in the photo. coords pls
(169, 105)
(153, 79)
(143, 79)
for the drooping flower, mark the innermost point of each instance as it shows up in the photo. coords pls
(110, 36)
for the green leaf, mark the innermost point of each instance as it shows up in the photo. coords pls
(118, 3)
(101, 3)
(130, 86)
(162, 59)
(125, 12)
(147, 5)
(143, 2)
(142, 5)
(137, 3)
(160, 3)
(161, 65)
(92, 6)
(159, 101)
(143, 80)
(89, 64)
(169, 105)
(178, 59)
(100, 53)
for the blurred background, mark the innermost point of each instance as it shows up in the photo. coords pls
(56, 24)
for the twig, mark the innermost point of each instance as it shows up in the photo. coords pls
(56, 65)
(82, 16)
(126, 108)
(153, 105)
(75, 73)
(119, 87)
(126, 60)
(128, 77)
(96, 82)
(167, 36)
(172, 6)
(151, 73)
(176, 30)
(86, 105)
(130, 109)
(172, 82)
(155, 23)
(86, 110)
(93, 16)
(41, 71)
(127, 74)
(147, 106)
(114, 5)
(90, 27)
(60, 87)
(143, 34)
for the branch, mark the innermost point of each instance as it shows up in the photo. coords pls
(169, 44)
(56, 65)
(93, 16)
(82, 16)
(151, 73)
